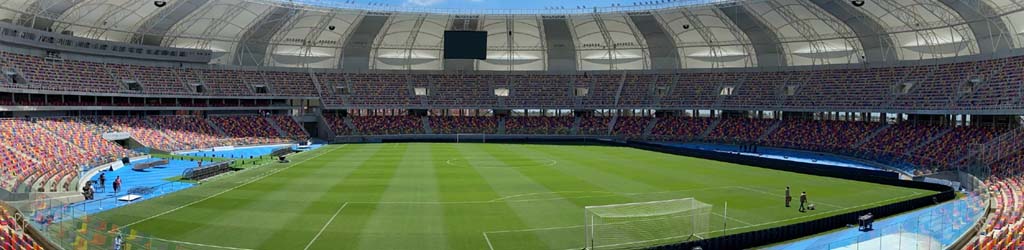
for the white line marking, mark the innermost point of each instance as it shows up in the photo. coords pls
(567, 227)
(325, 226)
(193, 243)
(557, 192)
(810, 215)
(734, 219)
(488, 241)
(766, 223)
(546, 163)
(275, 171)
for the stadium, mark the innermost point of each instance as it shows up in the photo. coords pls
(491, 124)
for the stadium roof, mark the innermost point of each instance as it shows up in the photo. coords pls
(616, 35)
(502, 6)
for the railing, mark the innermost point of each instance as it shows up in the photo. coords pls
(206, 171)
(45, 210)
(1005, 145)
(934, 228)
(66, 221)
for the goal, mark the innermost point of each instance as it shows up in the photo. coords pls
(646, 224)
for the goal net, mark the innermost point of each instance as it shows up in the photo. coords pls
(646, 224)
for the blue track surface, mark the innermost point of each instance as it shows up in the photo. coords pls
(237, 153)
(148, 184)
(935, 227)
(248, 152)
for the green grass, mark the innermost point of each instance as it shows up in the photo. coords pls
(450, 196)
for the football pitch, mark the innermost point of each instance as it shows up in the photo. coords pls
(471, 196)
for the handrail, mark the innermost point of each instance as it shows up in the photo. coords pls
(28, 229)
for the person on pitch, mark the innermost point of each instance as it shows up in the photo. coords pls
(803, 201)
(789, 198)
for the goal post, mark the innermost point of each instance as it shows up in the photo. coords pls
(646, 224)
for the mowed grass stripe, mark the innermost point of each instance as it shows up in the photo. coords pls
(256, 208)
(694, 171)
(322, 202)
(411, 196)
(568, 186)
(673, 172)
(761, 198)
(184, 220)
(559, 174)
(257, 205)
(465, 223)
(151, 207)
(367, 182)
(508, 181)
(569, 159)
(422, 224)
(625, 168)
(596, 174)
(570, 162)
(684, 173)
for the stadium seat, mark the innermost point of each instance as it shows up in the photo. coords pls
(679, 128)
(740, 129)
(290, 127)
(464, 125)
(538, 125)
(337, 123)
(594, 125)
(12, 235)
(51, 151)
(388, 125)
(253, 129)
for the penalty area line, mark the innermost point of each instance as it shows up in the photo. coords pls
(488, 241)
(325, 226)
(743, 227)
(722, 230)
(812, 215)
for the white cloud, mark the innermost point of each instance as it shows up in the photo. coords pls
(423, 2)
